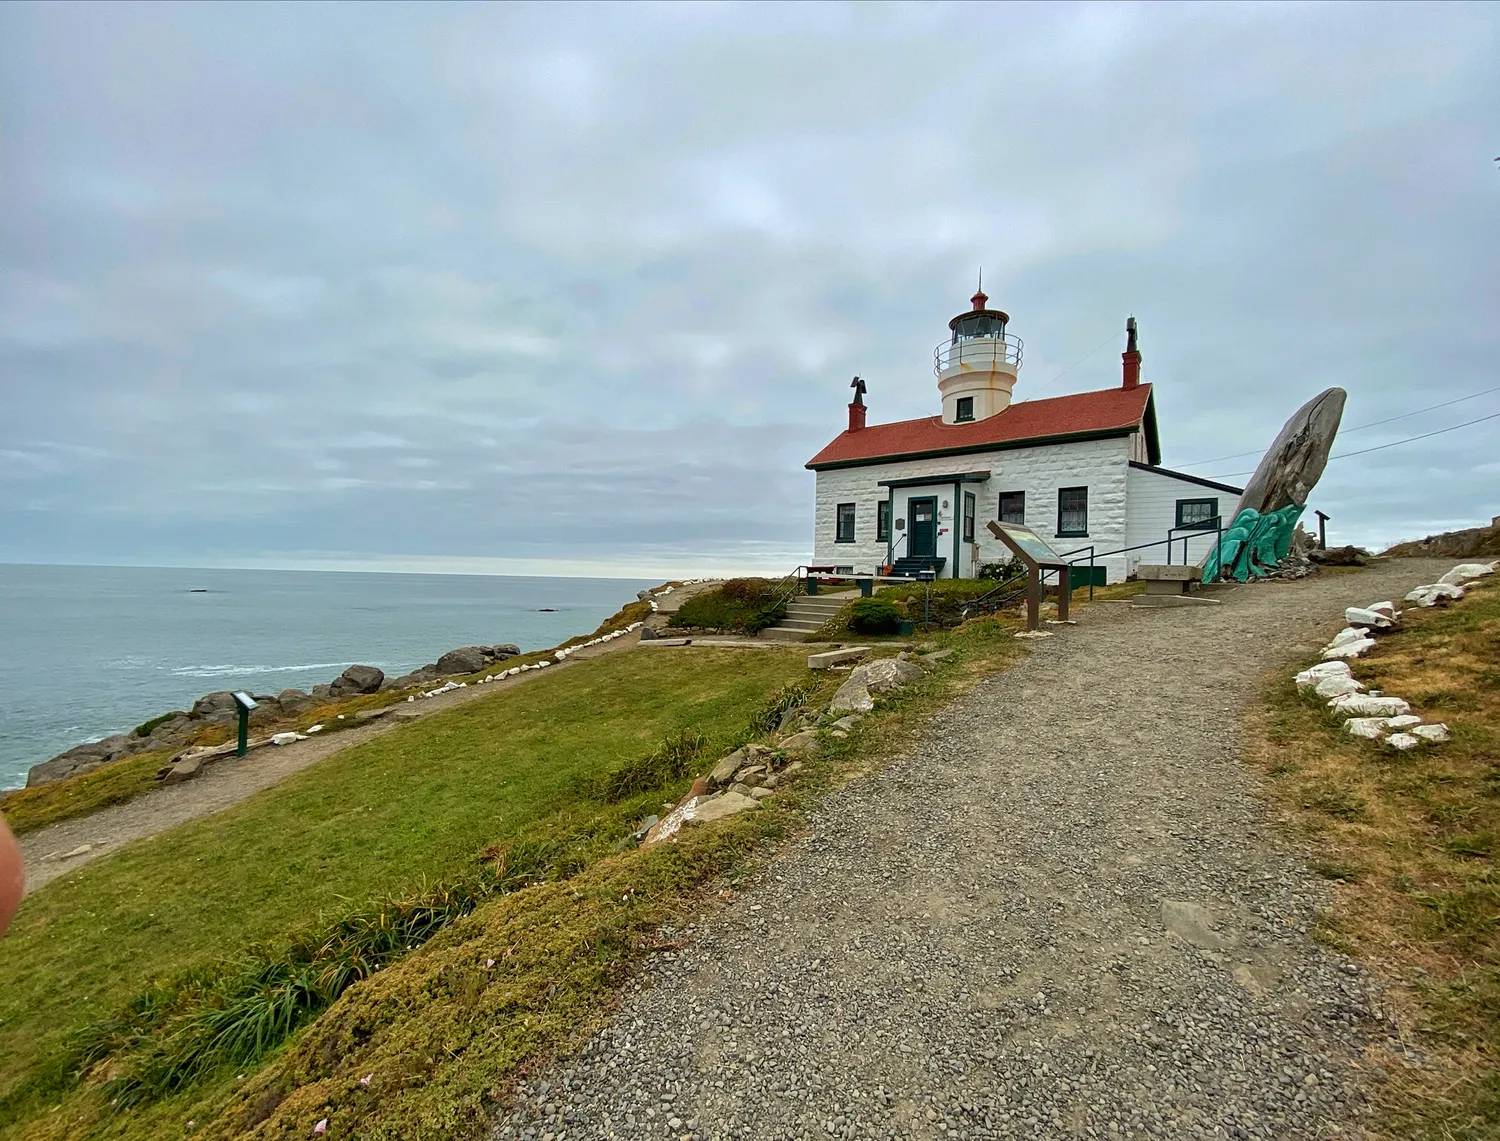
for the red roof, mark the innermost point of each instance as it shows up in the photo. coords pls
(1113, 410)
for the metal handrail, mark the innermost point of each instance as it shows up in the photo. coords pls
(1218, 527)
(1006, 349)
(1006, 585)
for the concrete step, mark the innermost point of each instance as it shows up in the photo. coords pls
(806, 625)
(803, 608)
(781, 634)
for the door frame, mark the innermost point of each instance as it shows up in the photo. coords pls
(911, 524)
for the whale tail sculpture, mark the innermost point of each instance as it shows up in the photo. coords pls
(1260, 533)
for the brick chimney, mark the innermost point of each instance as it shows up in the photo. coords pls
(1131, 357)
(857, 406)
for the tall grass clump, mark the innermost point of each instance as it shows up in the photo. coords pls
(740, 606)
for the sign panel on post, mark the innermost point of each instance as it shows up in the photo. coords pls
(1039, 558)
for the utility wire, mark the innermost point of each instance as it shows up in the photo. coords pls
(1361, 428)
(1074, 365)
(1380, 447)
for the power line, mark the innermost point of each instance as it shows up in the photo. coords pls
(1380, 447)
(1362, 427)
(1074, 365)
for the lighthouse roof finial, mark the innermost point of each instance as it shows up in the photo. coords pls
(980, 299)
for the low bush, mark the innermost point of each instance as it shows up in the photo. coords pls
(145, 727)
(741, 606)
(949, 602)
(874, 616)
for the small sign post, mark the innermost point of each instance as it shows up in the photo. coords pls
(1039, 558)
(245, 704)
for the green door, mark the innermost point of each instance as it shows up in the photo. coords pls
(923, 541)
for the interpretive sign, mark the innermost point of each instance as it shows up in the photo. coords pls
(1040, 560)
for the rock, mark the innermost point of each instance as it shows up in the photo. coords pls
(322, 692)
(852, 697)
(712, 808)
(464, 660)
(847, 722)
(761, 793)
(418, 677)
(216, 706)
(1341, 557)
(751, 775)
(1360, 616)
(740, 788)
(356, 679)
(1363, 705)
(501, 650)
(1464, 572)
(1337, 686)
(800, 744)
(287, 738)
(292, 699)
(723, 772)
(1349, 634)
(648, 634)
(1296, 458)
(1386, 608)
(937, 656)
(1404, 721)
(183, 770)
(1434, 593)
(886, 675)
(1310, 677)
(1435, 732)
(1353, 649)
(830, 658)
(1403, 741)
(1370, 728)
(1191, 923)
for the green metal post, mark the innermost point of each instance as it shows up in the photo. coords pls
(244, 745)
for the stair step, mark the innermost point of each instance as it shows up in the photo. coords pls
(782, 634)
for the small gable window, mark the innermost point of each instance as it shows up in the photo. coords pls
(1013, 507)
(1197, 513)
(844, 526)
(965, 408)
(1072, 512)
(883, 521)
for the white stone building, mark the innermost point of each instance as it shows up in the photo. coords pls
(1081, 471)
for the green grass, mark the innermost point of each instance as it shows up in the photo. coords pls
(741, 605)
(1410, 840)
(28, 809)
(382, 818)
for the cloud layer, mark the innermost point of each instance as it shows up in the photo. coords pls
(581, 287)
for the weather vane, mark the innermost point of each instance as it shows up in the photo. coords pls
(859, 390)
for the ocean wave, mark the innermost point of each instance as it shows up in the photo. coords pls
(233, 671)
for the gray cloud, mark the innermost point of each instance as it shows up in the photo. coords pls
(583, 285)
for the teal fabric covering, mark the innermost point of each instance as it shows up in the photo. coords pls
(1253, 544)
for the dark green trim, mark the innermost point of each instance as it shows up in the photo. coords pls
(1197, 479)
(958, 515)
(890, 535)
(924, 480)
(1003, 446)
(838, 512)
(910, 526)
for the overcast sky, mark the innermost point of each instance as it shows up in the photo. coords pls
(579, 289)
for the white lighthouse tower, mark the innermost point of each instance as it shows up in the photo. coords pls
(976, 367)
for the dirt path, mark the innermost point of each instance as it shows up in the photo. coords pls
(1062, 914)
(54, 851)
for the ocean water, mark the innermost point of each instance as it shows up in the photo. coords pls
(89, 651)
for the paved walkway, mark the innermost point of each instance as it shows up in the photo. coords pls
(1063, 913)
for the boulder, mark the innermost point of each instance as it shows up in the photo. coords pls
(215, 706)
(464, 660)
(502, 650)
(1362, 616)
(1434, 593)
(852, 697)
(762, 793)
(1341, 557)
(60, 767)
(712, 808)
(1403, 741)
(322, 692)
(1437, 732)
(800, 744)
(356, 679)
(885, 675)
(1363, 705)
(1352, 649)
(173, 731)
(1464, 572)
(1337, 686)
(183, 770)
(293, 699)
(1371, 728)
(417, 677)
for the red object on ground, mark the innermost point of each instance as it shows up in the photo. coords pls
(12, 876)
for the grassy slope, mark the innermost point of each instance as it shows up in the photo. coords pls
(410, 805)
(1412, 840)
(28, 809)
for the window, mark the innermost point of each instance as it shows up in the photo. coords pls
(965, 408)
(883, 521)
(968, 516)
(1197, 513)
(1013, 507)
(1072, 511)
(844, 527)
(844, 570)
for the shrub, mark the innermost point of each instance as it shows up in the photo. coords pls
(741, 605)
(999, 572)
(145, 727)
(875, 616)
(670, 761)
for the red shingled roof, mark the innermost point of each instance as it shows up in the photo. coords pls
(1031, 421)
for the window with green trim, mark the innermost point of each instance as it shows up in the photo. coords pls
(1072, 512)
(964, 410)
(968, 516)
(883, 521)
(1013, 507)
(1197, 513)
(844, 523)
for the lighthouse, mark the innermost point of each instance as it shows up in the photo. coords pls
(976, 367)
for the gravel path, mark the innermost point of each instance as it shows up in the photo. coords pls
(61, 848)
(1064, 913)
